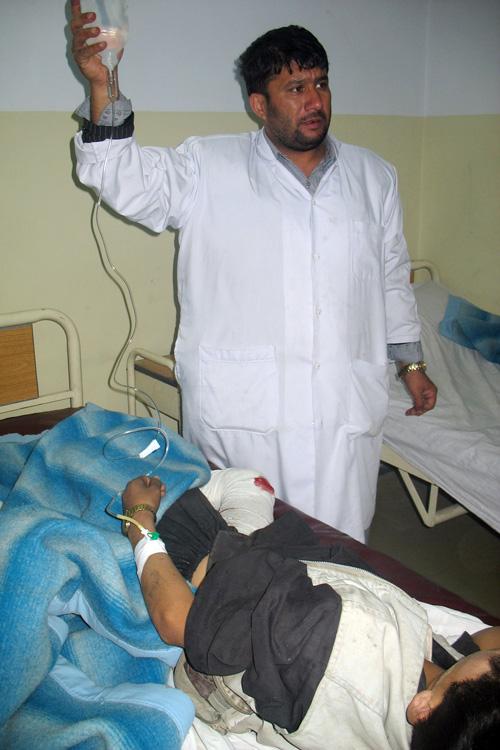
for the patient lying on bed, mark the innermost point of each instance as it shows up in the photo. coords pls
(317, 655)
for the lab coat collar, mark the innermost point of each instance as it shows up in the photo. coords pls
(267, 151)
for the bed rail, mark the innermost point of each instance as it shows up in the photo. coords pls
(164, 372)
(425, 265)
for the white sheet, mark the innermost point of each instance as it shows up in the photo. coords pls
(458, 443)
(447, 622)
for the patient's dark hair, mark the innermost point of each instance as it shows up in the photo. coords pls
(279, 48)
(468, 718)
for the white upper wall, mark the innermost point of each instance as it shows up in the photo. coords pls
(463, 57)
(402, 57)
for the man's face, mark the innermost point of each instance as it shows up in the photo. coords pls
(296, 109)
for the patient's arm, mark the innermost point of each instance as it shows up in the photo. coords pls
(166, 593)
(243, 498)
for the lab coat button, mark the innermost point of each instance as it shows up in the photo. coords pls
(316, 365)
(318, 312)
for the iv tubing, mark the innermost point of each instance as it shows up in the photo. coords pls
(128, 298)
(109, 266)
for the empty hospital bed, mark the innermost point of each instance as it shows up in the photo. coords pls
(456, 446)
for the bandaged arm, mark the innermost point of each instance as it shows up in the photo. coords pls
(243, 497)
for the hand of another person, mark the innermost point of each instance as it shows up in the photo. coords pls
(149, 490)
(87, 55)
(422, 391)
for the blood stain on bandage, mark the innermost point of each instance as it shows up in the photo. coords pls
(263, 484)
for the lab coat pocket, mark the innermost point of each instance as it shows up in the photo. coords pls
(369, 398)
(239, 388)
(366, 248)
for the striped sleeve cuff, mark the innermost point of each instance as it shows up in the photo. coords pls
(92, 133)
(404, 353)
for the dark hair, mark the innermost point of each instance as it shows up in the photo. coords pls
(468, 718)
(279, 48)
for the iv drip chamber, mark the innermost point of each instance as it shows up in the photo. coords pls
(112, 19)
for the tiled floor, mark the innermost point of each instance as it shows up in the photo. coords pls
(462, 554)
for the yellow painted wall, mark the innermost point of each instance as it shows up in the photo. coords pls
(448, 185)
(460, 205)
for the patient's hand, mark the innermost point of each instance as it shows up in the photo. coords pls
(149, 490)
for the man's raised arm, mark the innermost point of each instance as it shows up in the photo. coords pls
(88, 60)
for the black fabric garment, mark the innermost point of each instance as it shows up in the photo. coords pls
(464, 645)
(258, 613)
(289, 536)
(257, 610)
(91, 133)
(189, 528)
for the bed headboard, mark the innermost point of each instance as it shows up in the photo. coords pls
(19, 361)
(18, 377)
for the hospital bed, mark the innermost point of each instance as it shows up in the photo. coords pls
(449, 613)
(454, 613)
(456, 446)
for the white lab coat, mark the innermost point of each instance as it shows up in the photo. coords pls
(287, 304)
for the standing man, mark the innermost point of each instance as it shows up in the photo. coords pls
(293, 276)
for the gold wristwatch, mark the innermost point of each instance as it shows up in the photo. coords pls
(412, 367)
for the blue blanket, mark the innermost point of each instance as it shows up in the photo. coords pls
(468, 325)
(81, 665)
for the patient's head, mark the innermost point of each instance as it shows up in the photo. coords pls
(460, 710)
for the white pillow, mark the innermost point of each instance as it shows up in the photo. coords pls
(432, 299)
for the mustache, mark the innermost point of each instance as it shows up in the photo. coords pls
(316, 116)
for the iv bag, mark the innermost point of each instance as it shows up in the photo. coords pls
(112, 19)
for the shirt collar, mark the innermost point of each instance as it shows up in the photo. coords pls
(311, 182)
